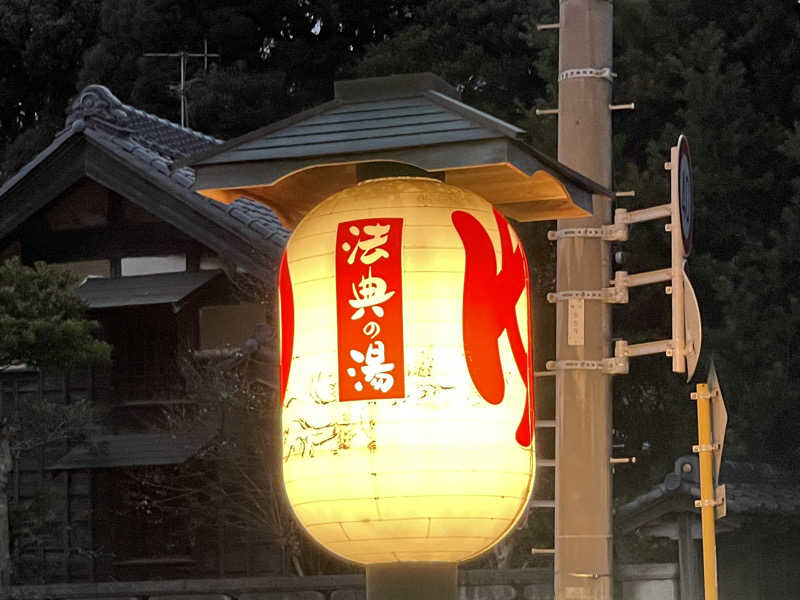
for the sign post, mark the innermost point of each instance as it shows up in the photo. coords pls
(711, 421)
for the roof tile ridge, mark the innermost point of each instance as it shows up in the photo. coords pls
(167, 122)
(98, 102)
(163, 149)
(149, 157)
(96, 105)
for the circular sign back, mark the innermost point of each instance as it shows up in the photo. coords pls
(685, 194)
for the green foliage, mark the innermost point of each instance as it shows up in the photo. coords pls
(27, 144)
(277, 57)
(42, 43)
(41, 325)
(42, 321)
(720, 77)
(234, 102)
(477, 46)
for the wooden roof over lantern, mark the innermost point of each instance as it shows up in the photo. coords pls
(415, 120)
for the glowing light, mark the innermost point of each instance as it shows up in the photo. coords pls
(407, 418)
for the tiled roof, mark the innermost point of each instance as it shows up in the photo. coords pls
(374, 125)
(141, 290)
(377, 114)
(256, 217)
(165, 137)
(751, 489)
(134, 449)
(153, 143)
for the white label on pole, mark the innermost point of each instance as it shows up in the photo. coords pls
(575, 336)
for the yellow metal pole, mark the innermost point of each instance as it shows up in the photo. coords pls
(707, 501)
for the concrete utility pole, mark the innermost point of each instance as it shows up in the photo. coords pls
(583, 563)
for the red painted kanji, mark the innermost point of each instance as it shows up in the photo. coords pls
(369, 309)
(490, 299)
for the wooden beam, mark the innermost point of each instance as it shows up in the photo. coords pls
(133, 185)
(42, 184)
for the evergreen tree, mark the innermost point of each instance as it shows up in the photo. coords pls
(276, 57)
(477, 46)
(41, 325)
(715, 75)
(42, 320)
(42, 44)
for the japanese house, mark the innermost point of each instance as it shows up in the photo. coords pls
(757, 541)
(168, 273)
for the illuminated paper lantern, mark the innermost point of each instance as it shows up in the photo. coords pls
(406, 373)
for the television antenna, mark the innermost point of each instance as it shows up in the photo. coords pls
(183, 55)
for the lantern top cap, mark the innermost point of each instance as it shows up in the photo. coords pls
(414, 120)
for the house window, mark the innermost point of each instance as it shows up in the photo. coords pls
(149, 265)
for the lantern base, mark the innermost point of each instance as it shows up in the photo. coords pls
(412, 581)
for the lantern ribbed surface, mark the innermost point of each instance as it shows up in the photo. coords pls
(404, 384)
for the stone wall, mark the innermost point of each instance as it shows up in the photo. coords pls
(476, 584)
(633, 582)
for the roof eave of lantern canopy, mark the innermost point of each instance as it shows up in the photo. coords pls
(414, 119)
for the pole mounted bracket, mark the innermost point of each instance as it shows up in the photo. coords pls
(604, 73)
(704, 503)
(698, 448)
(607, 233)
(609, 366)
(575, 232)
(610, 295)
(623, 219)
